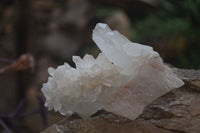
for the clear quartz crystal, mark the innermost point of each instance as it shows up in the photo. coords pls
(123, 79)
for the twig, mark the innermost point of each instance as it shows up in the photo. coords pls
(5, 126)
(4, 60)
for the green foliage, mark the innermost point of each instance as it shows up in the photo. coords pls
(156, 28)
(105, 12)
(174, 22)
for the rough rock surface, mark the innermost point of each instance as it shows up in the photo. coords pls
(175, 112)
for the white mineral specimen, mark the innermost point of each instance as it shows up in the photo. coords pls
(123, 79)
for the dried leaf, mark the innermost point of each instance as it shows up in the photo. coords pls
(25, 62)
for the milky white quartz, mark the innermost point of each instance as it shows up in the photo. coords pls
(123, 79)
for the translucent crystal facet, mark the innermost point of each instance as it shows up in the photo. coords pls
(123, 79)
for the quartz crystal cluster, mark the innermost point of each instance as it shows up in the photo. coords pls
(123, 79)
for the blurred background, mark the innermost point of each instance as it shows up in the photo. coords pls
(37, 34)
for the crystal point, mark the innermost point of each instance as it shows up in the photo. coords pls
(123, 79)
